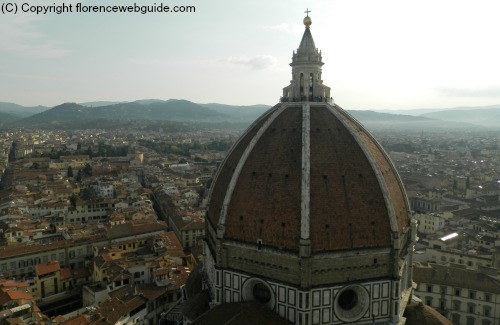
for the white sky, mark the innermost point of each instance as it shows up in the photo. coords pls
(397, 54)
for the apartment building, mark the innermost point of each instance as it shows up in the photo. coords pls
(465, 296)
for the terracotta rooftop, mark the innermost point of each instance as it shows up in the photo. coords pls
(420, 314)
(11, 283)
(10, 295)
(114, 309)
(77, 320)
(356, 196)
(46, 268)
(66, 274)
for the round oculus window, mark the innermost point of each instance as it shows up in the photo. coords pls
(351, 303)
(258, 290)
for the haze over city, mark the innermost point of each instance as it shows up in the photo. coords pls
(378, 55)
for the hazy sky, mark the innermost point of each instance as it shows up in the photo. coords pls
(397, 54)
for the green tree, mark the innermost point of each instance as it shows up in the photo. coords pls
(199, 159)
(79, 176)
(73, 199)
(89, 151)
(88, 193)
(70, 171)
(87, 170)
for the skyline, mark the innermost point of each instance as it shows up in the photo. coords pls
(388, 55)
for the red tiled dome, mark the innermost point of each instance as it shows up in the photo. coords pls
(330, 177)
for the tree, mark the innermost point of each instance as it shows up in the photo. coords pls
(70, 171)
(89, 151)
(87, 170)
(199, 159)
(79, 176)
(88, 193)
(201, 191)
(73, 199)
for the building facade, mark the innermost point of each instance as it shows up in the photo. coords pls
(465, 296)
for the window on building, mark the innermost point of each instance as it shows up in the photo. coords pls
(472, 294)
(471, 320)
(472, 308)
(487, 311)
(455, 318)
(456, 305)
(485, 322)
(429, 288)
(457, 292)
(487, 297)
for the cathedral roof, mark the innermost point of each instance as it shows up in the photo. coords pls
(353, 194)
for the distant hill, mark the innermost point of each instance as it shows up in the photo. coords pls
(102, 114)
(99, 103)
(239, 113)
(488, 117)
(74, 115)
(20, 111)
(6, 119)
(108, 103)
(412, 112)
(376, 120)
(151, 101)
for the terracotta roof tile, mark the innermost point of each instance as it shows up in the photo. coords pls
(46, 268)
(356, 196)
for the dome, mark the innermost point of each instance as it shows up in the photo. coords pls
(355, 200)
(307, 213)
